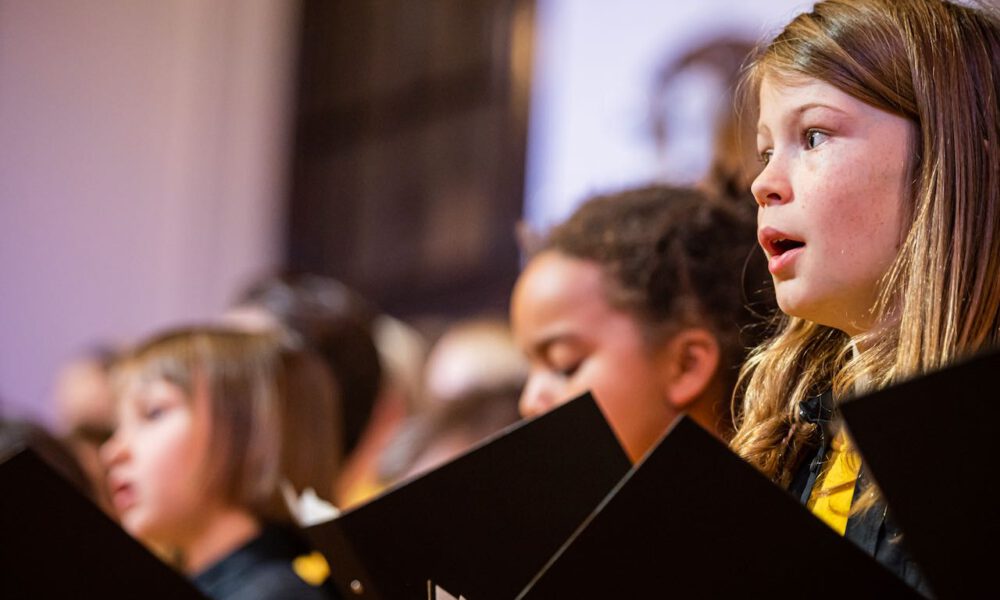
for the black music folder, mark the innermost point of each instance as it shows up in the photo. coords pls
(480, 526)
(929, 443)
(55, 543)
(692, 520)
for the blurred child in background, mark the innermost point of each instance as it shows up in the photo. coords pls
(375, 359)
(641, 298)
(212, 424)
(472, 380)
(85, 413)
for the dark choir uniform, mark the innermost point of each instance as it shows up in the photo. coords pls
(276, 564)
(874, 530)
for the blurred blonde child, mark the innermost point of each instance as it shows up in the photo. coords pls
(212, 424)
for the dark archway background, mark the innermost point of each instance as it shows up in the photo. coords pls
(407, 170)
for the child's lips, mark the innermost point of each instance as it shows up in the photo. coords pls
(782, 248)
(122, 496)
(778, 264)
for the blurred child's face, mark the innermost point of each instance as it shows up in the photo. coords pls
(156, 462)
(575, 342)
(830, 198)
(87, 413)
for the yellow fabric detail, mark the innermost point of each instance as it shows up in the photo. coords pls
(831, 496)
(359, 492)
(311, 568)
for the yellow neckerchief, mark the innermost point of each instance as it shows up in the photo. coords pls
(834, 489)
(311, 568)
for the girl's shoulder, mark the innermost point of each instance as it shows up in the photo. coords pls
(276, 564)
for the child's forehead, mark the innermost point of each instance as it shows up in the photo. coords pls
(145, 388)
(153, 375)
(781, 84)
(782, 100)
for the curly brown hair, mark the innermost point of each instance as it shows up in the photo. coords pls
(676, 257)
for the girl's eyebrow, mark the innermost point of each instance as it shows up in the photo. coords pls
(798, 111)
(812, 105)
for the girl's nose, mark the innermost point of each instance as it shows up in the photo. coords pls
(537, 397)
(771, 186)
(114, 450)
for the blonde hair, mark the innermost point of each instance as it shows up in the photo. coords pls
(274, 412)
(933, 63)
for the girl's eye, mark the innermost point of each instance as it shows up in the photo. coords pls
(153, 413)
(765, 157)
(815, 137)
(569, 371)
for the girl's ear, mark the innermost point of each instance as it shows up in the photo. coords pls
(688, 362)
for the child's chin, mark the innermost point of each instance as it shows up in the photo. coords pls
(789, 300)
(137, 526)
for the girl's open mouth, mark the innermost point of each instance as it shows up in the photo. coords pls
(781, 248)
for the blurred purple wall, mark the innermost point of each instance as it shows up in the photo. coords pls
(143, 146)
(141, 170)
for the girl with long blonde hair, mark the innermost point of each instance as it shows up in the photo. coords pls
(878, 209)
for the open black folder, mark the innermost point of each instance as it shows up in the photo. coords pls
(55, 543)
(692, 520)
(930, 443)
(480, 526)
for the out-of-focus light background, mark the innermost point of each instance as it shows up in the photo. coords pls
(605, 70)
(156, 156)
